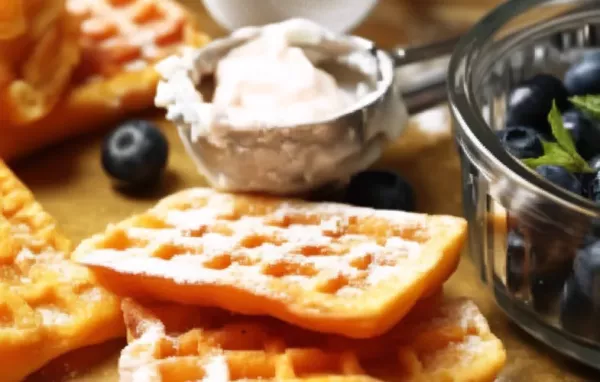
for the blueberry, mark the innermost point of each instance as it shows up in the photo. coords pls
(594, 188)
(587, 180)
(587, 271)
(560, 177)
(580, 305)
(135, 153)
(521, 142)
(584, 131)
(583, 77)
(515, 258)
(380, 189)
(530, 102)
(550, 263)
(578, 314)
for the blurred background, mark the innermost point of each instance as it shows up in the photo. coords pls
(390, 22)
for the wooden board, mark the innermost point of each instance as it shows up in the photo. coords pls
(69, 181)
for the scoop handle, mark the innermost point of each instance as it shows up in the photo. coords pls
(427, 87)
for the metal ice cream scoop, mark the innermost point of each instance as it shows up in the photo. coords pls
(292, 159)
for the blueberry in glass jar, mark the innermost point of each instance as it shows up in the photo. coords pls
(561, 177)
(594, 188)
(585, 133)
(583, 78)
(521, 142)
(530, 102)
(580, 303)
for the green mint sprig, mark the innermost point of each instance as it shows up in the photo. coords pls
(562, 152)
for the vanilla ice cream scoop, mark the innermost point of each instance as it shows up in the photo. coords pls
(295, 106)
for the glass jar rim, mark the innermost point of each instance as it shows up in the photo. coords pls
(471, 123)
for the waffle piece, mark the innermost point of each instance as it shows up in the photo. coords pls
(120, 41)
(440, 340)
(39, 50)
(48, 304)
(323, 266)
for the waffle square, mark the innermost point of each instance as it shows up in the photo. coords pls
(119, 42)
(322, 266)
(440, 340)
(119, 35)
(48, 304)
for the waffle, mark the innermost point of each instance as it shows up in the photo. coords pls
(39, 51)
(120, 40)
(48, 304)
(323, 266)
(440, 340)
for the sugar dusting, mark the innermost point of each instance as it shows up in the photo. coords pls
(308, 253)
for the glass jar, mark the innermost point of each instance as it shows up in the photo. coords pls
(526, 235)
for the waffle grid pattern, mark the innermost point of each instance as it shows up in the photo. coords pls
(331, 262)
(48, 304)
(130, 33)
(441, 340)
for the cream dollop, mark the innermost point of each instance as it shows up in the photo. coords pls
(295, 107)
(268, 75)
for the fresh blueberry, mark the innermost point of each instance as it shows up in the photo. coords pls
(550, 263)
(382, 190)
(580, 305)
(135, 153)
(583, 77)
(587, 271)
(560, 177)
(578, 313)
(521, 142)
(584, 131)
(587, 180)
(515, 259)
(594, 188)
(530, 102)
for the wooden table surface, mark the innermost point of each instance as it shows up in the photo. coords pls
(68, 180)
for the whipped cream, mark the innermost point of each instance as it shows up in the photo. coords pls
(294, 106)
(269, 76)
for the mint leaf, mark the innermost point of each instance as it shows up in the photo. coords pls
(588, 103)
(554, 155)
(562, 152)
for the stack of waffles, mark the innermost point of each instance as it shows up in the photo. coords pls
(69, 66)
(49, 305)
(224, 287)
(220, 287)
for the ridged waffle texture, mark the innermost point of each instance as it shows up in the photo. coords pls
(48, 304)
(118, 42)
(129, 34)
(440, 340)
(322, 266)
(39, 50)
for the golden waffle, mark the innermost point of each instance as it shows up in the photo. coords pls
(39, 50)
(120, 41)
(440, 340)
(323, 266)
(129, 34)
(48, 304)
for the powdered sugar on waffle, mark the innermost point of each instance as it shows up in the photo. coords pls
(308, 254)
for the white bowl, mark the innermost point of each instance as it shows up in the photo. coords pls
(339, 16)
